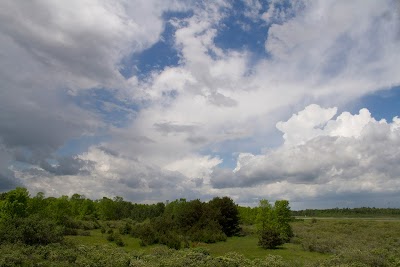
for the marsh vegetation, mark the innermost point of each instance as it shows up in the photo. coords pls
(75, 231)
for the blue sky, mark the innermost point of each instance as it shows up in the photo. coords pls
(155, 100)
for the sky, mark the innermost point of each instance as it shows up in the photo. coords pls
(155, 100)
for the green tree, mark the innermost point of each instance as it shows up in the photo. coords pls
(60, 209)
(227, 214)
(264, 217)
(273, 223)
(37, 204)
(283, 217)
(106, 209)
(248, 215)
(15, 204)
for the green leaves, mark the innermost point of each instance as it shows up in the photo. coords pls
(227, 214)
(15, 204)
(273, 223)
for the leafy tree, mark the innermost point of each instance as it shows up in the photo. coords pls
(227, 214)
(37, 204)
(60, 209)
(283, 217)
(248, 215)
(264, 217)
(273, 223)
(106, 209)
(15, 204)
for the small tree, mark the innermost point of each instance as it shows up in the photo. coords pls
(264, 215)
(268, 234)
(283, 217)
(273, 223)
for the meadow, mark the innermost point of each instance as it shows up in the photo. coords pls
(76, 231)
(316, 242)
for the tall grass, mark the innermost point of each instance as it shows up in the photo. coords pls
(362, 242)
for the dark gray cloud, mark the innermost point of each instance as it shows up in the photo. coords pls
(8, 181)
(46, 125)
(7, 178)
(68, 166)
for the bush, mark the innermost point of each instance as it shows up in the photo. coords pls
(119, 241)
(103, 230)
(126, 228)
(269, 238)
(70, 231)
(116, 237)
(111, 237)
(171, 240)
(32, 230)
(83, 233)
(146, 233)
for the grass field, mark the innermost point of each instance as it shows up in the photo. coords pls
(97, 238)
(247, 246)
(372, 242)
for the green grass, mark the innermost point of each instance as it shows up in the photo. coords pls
(244, 245)
(248, 247)
(374, 242)
(97, 238)
(370, 242)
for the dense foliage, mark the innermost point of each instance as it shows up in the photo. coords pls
(273, 223)
(104, 256)
(40, 220)
(184, 221)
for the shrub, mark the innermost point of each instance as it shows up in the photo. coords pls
(269, 238)
(111, 237)
(126, 228)
(146, 233)
(83, 232)
(103, 230)
(119, 241)
(70, 231)
(171, 240)
(32, 230)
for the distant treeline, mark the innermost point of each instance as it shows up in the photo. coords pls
(354, 212)
(19, 203)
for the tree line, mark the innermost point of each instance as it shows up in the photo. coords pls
(44, 220)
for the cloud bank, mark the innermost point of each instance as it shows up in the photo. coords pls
(80, 113)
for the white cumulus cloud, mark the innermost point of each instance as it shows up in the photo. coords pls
(349, 154)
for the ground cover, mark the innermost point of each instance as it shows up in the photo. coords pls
(247, 246)
(367, 242)
(316, 242)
